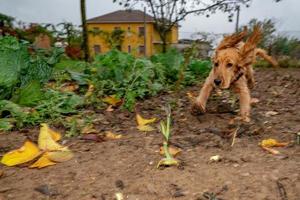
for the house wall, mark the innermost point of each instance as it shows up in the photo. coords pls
(132, 38)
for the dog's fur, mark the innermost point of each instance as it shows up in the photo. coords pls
(232, 68)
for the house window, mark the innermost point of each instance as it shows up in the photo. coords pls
(141, 49)
(129, 49)
(97, 49)
(117, 28)
(96, 29)
(128, 29)
(141, 31)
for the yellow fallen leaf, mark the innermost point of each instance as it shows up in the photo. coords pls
(69, 87)
(60, 156)
(56, 136)
(46, 141)
(141, 121)
(167, 162)
(109, 108)
(42, 162)
(172, 150)
(88, 129)
(191, 96)
(111, 135)
(26, 153)
(112, 100)
(90, 90)
(273, 143)
(145, 128)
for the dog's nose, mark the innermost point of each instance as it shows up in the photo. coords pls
(217, 81)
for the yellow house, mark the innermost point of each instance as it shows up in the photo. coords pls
(138, 39)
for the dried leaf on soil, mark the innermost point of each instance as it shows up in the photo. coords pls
(112, 100)
(172, 150)
(145, 128)
(60, 156)
(42, 162)
(191, 97)
(52, 151)
(90, 90)
(46, 141)
(273, 143)
(167, 162)
(143, 123)
(69, 87)
(271, 113)
(26, 153)
(111, 135)
(88, 129)
(109, 108)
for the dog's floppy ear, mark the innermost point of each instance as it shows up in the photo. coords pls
(232, 40)
(247, 51)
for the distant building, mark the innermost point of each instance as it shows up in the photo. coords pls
(131, 22)
(204, 48)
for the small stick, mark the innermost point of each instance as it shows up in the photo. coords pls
(234, 136)
(282, 191)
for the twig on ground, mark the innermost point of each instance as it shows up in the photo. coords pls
(234, 136)
(282, 191)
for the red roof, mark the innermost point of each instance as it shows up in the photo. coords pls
(122, 16)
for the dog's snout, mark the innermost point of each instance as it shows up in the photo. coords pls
(217, 81)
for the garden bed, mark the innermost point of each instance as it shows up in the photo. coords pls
(128, 165)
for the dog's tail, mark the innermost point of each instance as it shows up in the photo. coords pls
(263, 54)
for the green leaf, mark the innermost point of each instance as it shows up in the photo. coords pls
(6, 124)
(29, 95)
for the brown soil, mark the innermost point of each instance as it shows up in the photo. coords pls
(128, 165)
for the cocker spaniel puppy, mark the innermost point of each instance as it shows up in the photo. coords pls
(232, 69)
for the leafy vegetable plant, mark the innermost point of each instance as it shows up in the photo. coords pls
(166, 131)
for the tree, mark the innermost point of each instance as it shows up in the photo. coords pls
(85, 46)
(69, 31)
(168, 13)
(6, 20)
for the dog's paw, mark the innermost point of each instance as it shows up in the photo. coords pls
(197, 109)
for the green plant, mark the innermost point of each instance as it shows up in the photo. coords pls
(165, 128)
(127, 77)
(19, 67)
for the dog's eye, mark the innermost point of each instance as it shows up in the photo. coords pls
(229, 65)
(216, 64)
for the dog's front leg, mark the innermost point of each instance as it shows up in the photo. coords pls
(200, 103)
(245, 99)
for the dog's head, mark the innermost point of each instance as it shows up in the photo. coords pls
(231, 58)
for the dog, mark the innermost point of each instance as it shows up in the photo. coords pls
(232, 69)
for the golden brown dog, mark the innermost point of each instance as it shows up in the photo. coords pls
(232, 69)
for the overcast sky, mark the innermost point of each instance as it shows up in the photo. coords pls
(54, 11)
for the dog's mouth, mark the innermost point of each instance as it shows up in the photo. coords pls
(222, 86)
